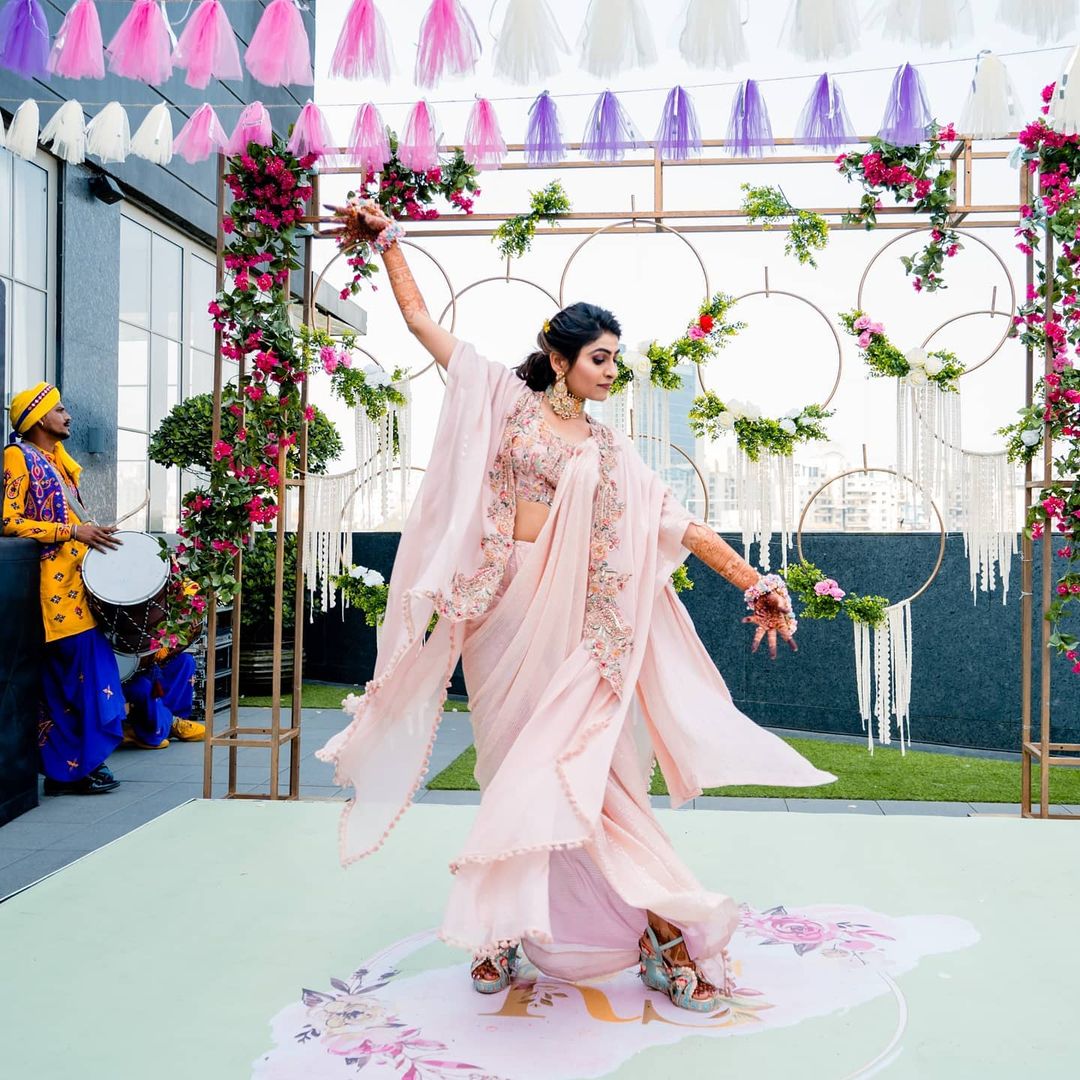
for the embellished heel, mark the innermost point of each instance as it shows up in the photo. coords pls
(678, 981)
(504, 962)
(651, 963)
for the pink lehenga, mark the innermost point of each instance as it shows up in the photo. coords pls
(582, 667)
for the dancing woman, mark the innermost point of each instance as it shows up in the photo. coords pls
(546, 547)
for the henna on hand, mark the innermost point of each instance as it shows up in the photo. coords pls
(719, 555)
(402, 282)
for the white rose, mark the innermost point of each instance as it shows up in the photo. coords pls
(751, 411)
(916, 358)
(644, 346)
(358, 571)
(373, 577)
(793, 414)
(788, 426)
(726, 421)
(375, 376)
(916, 377)
(1031, 436)
(638, 363)
(933, 365)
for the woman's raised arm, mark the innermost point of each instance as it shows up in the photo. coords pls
(368, 223)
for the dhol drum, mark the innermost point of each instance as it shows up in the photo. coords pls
(126, 589)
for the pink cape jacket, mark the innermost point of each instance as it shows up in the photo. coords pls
(612, 539)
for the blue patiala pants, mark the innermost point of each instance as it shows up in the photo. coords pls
(158, 694)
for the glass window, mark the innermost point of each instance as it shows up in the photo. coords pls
(133, 378)
(164, 380)
(166, 287)
(134, 273)
(5, 213)
(132, 471)
(202, 292)
(31, 214)
(29, 333)
(200, 377)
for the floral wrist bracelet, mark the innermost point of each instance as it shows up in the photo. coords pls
(388, 237)
(762, 587)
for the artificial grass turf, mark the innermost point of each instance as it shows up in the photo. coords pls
(917, 777)
(318, 695)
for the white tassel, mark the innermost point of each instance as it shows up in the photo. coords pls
(765, 496)
(864, 680)
(153, 140)
(989, 521)
(108, 136)
(1046, 20)
(990, 111)
(883, 677)
(821, 29)
(928, 22)
(66, 132)
(529, 43)
(22, 136)
(1065, 104)
(928, 443)
(616, 37)
(712, 36)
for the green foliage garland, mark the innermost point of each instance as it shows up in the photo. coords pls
(802, 578)
(712, 417)
(515, 236)
(808, 232)
(884, 359)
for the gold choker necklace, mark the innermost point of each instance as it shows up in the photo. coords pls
(565, 405)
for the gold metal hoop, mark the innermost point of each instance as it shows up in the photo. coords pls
(690, 460)
(993, 313)
(978, 240)
(918, 487)
(484, 281)
(657, 225)
(767, 292)
(310, 315)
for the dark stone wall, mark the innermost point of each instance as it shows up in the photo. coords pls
(966, 668)
(21, 638)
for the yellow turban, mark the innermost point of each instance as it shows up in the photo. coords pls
(31, 405)
(28, 407)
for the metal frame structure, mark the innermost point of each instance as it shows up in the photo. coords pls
(657, 218)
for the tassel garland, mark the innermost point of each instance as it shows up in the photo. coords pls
(678, 137)
(765, 494)
(712, 35)
(278, 54)
(824, 122)
(154, 139)
(988, 497)
(22, 136)
(822, 29)
(1046, 20)
(417, 147)
(311, 133)
(529, 44)
(108, 135)
(207, 47)
(617, 36)
(363, 47)
(1065, 104)
(484, 145)
(24, 38)
(928, 22)
(201, 136)
(142, 47)
(991, 108)
(543, 138)
(449, 44)
(907, 113)
(253, 127)
(369, 144)
(66, 132)
(609, 132)
(749, 131)
(78, 52)
(883, 676)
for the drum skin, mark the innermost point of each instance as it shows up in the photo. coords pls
(127, 590)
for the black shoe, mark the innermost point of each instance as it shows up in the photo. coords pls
(103, 772)
(87, 785)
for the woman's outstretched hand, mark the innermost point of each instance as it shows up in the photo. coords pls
(360, 223)
(773, 618)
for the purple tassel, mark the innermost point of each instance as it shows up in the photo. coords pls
(749, 131)
(908, 112)
(609, 132)
(824, 122)
(678, 137)
(24, 38)
(543, 140)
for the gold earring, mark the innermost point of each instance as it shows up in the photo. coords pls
(564, 404)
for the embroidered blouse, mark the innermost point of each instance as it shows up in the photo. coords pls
(64, 609)
(537, 452)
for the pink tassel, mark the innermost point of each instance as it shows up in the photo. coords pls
(252, 127)
(78, 52)
(142, 47)
(207, 47)
(369, 143)
(279, 52)
(201, 136)
(484, 145)
(363, 49)
(449, 44)
(310, 133)
(417, 149)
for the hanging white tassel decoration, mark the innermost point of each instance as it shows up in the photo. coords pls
(616, 37)
(327, 532)
(928, 22)
(22, 136)
(1065, 104)
(154, 139)
(712, 35)
(3, 133)
(529, 43)
(765, 496)
(65, 132)
(883, 677)
(108, 136)
(1045, 20)
(821, 29)
(989, 521)
(990, 111)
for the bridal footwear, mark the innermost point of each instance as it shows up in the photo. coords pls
(503, 962)
(678, 981)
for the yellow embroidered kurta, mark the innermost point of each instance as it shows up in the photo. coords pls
(64, 607)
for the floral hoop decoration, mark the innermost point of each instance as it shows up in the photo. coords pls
(706, 334)
(911, 174)
(917, 367)
(823, 598)
(755, 434)
(364, 589)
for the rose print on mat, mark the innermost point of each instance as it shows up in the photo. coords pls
(777, 927)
